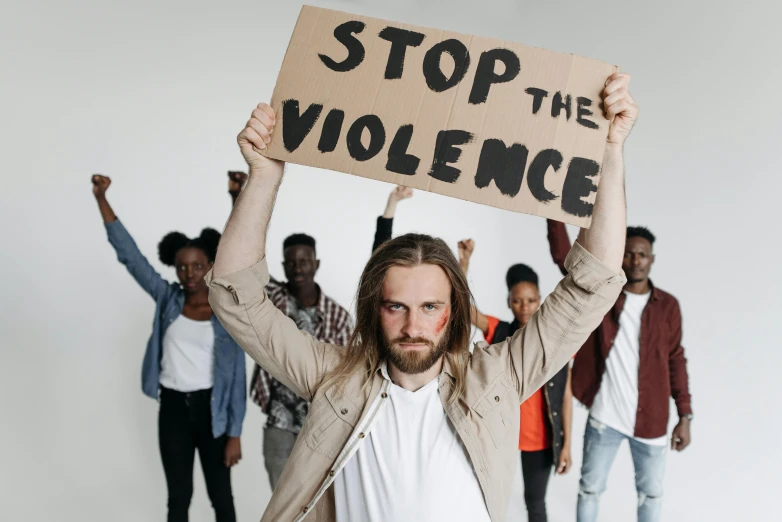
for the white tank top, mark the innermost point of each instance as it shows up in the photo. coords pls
(188, 355)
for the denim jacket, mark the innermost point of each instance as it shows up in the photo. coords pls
(229, 394)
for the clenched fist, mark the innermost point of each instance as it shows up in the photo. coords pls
(466, 247)
(619, 105)
(100, 185)
(236, 180)
(254, 137)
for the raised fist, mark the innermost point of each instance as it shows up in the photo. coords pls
(401, 192)
(254, 137)
(236, 180)
(100, 185)
(466, 247)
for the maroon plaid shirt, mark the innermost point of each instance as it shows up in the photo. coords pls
(333, 325)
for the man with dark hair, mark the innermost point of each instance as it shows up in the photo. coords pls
(405, 422)
(625, 374)
(641, 232)
(299, 239)
(302, 300)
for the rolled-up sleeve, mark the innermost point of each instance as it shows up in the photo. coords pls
(564, 321)
(269, 337)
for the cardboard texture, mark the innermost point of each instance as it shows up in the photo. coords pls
(489, 121)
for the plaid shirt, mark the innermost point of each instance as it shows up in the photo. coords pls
(333, 325)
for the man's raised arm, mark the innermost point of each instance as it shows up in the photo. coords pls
(239, 276)
(577, 306)
(605, 239)
(244, 240)
(385, 223)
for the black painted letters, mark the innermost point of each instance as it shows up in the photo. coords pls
(400, 40)
(504, 165)
(344, 34)
(446, 151)
(296, 127)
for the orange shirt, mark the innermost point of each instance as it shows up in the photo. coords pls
(533, 431)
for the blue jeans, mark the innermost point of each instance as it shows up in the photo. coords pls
(600, 446)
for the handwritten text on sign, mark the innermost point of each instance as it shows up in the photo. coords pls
(425, 108)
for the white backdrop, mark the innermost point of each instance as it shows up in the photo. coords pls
(153, 94)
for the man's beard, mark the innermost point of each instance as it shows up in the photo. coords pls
(635, 276)
(414, 361)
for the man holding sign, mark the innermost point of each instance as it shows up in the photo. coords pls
(405, 423)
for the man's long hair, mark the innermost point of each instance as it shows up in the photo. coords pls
(365, 347)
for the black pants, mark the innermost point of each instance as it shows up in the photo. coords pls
(184, 425)
(536, 470)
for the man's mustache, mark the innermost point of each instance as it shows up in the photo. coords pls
(413, 340)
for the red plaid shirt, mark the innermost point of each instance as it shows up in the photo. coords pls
(333, 325)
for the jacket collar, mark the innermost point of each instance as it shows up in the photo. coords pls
(616, 311)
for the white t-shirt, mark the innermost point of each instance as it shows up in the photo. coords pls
(188, 355)
(616, 402)
(411, 466)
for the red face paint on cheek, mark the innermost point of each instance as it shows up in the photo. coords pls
(443, 321)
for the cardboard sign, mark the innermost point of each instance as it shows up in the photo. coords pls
(484, 120)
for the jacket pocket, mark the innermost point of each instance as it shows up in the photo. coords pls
(494, 409)
(325, 432)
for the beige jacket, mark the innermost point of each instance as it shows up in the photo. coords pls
(486, 417)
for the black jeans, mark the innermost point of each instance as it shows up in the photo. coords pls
(536, 470)
(184, 425)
